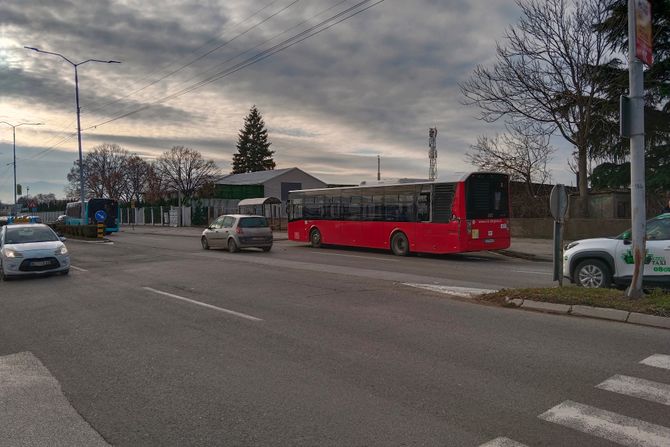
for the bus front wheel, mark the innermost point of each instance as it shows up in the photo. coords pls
(315, 238)
(399, 244)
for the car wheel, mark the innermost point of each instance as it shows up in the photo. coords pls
(65, 272)
(232, 246)
(4, 277)
(400, 244)
(315, 238)
(593, 274)
(205, 243)
(267, 248)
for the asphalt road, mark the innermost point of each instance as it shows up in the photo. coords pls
(154, 341)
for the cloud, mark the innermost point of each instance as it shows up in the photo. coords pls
(370, 85)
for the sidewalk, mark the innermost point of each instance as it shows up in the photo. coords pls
(181, 231)
(531, 249)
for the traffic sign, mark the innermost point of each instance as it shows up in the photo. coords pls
(100, 215)
(558, 202)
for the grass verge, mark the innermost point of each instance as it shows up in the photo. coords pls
(656, 302)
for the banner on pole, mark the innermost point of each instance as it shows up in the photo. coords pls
(643, 36)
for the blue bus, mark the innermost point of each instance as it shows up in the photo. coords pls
(92, 206)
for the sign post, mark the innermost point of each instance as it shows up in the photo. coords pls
(100, 217)
(558, 204)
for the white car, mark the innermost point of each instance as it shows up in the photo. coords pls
(29, 249)
(604, 262)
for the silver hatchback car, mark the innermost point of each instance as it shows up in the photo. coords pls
(235, 231)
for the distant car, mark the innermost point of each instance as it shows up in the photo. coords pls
(236, 231)
(29, 249)
(603, 262)
(3, 220)
(25, 219)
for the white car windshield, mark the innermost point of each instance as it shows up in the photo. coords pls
(27, 235)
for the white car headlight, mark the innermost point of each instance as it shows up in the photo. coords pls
(11, 253)
(62, 250)
(571, 245)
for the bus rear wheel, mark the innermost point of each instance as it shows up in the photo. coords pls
(399, 244)
(315, 238)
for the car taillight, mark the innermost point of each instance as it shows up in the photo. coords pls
(238, 230)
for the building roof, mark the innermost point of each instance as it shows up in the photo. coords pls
(257, 178)
(251, 178)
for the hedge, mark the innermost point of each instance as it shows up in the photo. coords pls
(85, 231)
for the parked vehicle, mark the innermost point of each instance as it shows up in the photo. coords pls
(29, 249)
(91, 207)
(236, 231)
(470, 214)
(603, 262)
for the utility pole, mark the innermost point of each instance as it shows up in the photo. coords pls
(379, 168)
(432, 153)
(76, 89)
(636, 95)
(14, 126)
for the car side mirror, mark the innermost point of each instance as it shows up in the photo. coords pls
(626, 237)
(62, 238)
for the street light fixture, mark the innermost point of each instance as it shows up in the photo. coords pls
(76, 89)
(14, 126)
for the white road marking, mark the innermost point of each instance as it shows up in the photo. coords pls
(641, 388)
(389, 259)
(209, 306)
(503, 442)
(658, 361)
(614, 427)
(533, 272)
(451, 290)
(79, 269)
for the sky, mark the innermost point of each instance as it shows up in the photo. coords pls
(370, 85)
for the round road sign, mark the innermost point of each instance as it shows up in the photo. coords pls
(100, 216)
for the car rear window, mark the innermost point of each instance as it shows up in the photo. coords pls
(26, 235)
(253, 222)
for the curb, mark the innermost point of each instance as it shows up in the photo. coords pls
(186, 235)
(522, 255)
(602, 313)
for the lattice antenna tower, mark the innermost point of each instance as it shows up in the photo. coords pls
(432, 153)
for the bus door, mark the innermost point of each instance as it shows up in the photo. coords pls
(487, 211)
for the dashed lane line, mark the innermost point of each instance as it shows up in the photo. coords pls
(657, 361)
(604, 424)
(198, 303)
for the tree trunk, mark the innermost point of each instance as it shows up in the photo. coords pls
(583, 182)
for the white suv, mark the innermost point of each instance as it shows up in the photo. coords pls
(604, 262)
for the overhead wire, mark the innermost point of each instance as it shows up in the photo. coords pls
(284, 45)
(62, 140)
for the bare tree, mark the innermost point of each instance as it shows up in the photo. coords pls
(136, 173)
(522, 155)
(185, 170)
(544, 73)
(155, 186)
(104, 172)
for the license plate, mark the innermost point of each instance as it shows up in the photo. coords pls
(40, 263)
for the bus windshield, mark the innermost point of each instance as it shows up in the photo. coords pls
(487, 196)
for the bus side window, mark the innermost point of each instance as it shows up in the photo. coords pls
(424, 207)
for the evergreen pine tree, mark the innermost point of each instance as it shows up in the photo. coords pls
(253, 149)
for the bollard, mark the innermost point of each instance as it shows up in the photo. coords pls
(101, 230)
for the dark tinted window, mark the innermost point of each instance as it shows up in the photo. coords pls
(24, 235)
(253, 222)
(487, 196)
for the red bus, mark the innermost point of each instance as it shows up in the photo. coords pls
(470, 214)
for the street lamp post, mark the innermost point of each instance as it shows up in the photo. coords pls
(76, 89)
(14, 126)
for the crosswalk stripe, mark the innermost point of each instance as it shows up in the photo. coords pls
(614, 427)
(658, 361)
(641, 388)
(503, 442)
